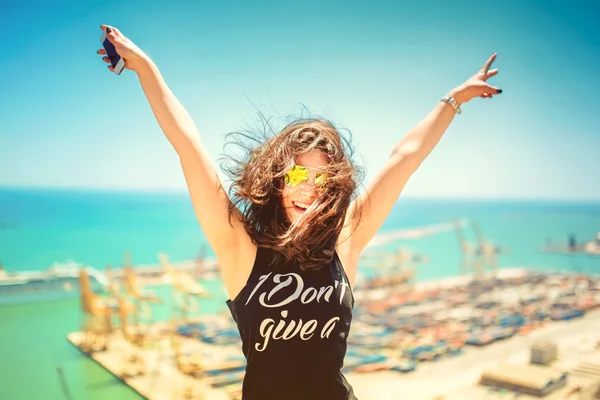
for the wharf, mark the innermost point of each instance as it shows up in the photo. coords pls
(160, 377)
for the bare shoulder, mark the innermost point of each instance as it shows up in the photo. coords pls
(235, 263)
(349, 259)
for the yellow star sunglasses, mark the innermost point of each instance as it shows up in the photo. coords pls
(299, 174)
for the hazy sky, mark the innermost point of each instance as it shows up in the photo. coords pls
(373, 67)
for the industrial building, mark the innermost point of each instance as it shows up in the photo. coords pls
(543, 352)
(525, 379)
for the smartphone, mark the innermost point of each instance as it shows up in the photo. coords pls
(116, 61)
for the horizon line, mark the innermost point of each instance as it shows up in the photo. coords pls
(180, 191)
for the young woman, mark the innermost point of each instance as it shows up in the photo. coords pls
(289, 237)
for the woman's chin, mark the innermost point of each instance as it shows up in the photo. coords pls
(294, 216)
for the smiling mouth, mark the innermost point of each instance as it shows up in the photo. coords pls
(300, 207)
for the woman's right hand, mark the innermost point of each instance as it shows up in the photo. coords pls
(133, 56)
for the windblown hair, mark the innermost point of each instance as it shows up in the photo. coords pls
(257, 183)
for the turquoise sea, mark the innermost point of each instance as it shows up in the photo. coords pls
(40, 227)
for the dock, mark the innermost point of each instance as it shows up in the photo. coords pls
(155, 375)
(403, 336)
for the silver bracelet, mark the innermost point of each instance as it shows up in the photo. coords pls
(452, 103)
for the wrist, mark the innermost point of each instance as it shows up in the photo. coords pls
(141, 64)
(458, 94)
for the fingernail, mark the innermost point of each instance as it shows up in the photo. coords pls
(108, 29)
(499, 91)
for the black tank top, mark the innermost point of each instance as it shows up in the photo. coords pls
(294, 325)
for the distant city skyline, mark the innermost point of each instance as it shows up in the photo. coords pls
(373, 68)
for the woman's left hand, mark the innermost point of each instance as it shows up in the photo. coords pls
(477, 86)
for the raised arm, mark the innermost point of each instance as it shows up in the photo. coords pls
(210, 201)
(382, 193)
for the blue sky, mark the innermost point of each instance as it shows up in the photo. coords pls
(375, 68)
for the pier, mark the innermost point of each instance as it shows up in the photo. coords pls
(420, 331)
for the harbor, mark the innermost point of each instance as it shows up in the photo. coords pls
(161, 331)
(404, 335)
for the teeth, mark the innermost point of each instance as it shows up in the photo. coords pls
(301, 205)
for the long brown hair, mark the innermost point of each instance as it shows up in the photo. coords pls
(257, 181)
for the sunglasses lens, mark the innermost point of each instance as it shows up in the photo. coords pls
(321, 180)
(296, 176)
